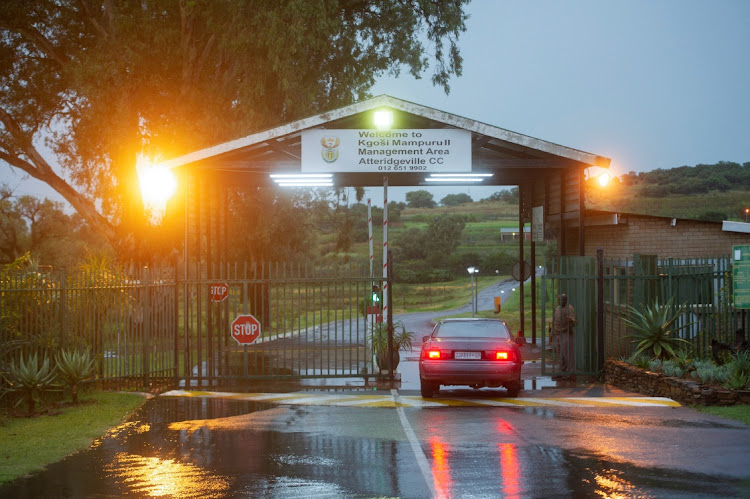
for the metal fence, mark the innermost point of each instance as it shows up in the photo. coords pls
(126, 318)
(144, 324)
(314, 322)
(604, 293)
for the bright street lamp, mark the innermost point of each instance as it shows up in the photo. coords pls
(157, 183)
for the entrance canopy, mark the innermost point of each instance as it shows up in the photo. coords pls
(511, 158)
(420, 144)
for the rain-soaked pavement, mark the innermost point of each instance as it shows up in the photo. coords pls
(217, 447)
(557, 439)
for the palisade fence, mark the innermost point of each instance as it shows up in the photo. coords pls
(702, 285)
(314, 322)
(148, 326)
(127, 318)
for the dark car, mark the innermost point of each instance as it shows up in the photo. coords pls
(474, 352)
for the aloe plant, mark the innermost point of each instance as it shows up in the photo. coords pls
(737, 381)
(655, 326)
(402, 340)
(73, 367)
(29, 378)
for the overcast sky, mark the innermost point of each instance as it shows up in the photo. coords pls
(648, 83)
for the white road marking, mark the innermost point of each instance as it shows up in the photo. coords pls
(424, 466)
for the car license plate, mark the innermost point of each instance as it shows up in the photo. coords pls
(468, 355)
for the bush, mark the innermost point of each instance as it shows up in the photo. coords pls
(709, 373)
(74, 367)
(656, 329)
(639, 361)
(29, 378)
(671, 368)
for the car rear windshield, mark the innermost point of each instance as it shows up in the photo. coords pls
(484, 329)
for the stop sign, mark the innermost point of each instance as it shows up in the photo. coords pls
(245, 329)
(218, 291)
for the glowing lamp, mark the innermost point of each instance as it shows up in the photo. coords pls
(604, 179)
(383, 119)
(157, 183)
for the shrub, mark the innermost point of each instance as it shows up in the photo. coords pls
(639, 361)
(737, 381)
(708, 372)
(671, 368)
(654, 365)
(29, 378)
(740, 363)
(655, 329)
(684, 358)
(74, 367)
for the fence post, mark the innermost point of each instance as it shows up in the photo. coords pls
(63, 290)
(146, 327)
(389, 299)
(600, 307)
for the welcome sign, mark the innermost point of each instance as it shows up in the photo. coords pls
(392, 151)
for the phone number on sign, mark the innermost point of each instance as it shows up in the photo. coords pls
(402, 168)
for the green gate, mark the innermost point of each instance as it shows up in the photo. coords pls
(604, 291)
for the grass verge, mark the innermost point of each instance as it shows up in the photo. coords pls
(736, 412)
(29, 444)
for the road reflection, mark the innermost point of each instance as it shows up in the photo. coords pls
(613, 486)
(441, 471)
(156, 477)
(510, 470)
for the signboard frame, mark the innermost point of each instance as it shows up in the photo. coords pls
(431, 150)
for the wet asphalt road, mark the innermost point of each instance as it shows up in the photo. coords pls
(199, 447)
(219, 447)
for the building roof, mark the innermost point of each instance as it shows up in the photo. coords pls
(511, 157)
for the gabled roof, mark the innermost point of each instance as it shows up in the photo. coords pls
(510, 156)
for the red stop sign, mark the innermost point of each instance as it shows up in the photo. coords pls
(219, 291)
(245, 329)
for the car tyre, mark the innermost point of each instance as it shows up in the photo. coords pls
(514, 389)
(427, 388)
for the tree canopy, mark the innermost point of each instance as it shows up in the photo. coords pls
(456, 199)
(420, 199)
(102, 81)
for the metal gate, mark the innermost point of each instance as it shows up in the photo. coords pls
(604, 291)
(314, 323)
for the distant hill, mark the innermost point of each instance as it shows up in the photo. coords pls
(702, 192)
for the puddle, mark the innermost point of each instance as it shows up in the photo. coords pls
(198, 447)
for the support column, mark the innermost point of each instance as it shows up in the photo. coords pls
(520, 254)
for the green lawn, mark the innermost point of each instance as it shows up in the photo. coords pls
(737, 412)
(29, 444)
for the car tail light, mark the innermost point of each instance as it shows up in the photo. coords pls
(502, 355)
(433, 354)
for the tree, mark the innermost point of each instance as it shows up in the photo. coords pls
(411, 244)
(420, 199)
(43, 229)
(505, 195)
(443, 236)
(13, 230)
(103, 81)
(456, 199)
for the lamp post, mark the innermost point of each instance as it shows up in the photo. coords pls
(747, 212)
(472, 271)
